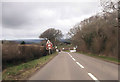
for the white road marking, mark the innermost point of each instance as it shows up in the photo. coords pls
(93, 77)
(74, 59)
(70, 55)
(79, 64)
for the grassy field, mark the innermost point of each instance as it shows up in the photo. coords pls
(67, 50)
(109, 59)
(65, 46)
(23, 71)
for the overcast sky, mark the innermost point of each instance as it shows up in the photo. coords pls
(29, 19)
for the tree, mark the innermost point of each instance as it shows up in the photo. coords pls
(23, 42)
(52, 34)
(96, 35)
(109, 5)
(2, 42)
(74, 30)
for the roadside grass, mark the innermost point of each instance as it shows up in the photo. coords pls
(23, 71)
(67, 50)
(109, 59)
(64, 46)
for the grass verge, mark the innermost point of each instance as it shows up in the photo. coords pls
(65, 46)
(23, 71)
(109, 59)
(67, 50)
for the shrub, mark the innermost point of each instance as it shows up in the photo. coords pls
(15, 53)
(22, 42)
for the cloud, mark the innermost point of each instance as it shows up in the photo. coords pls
(30, 19)
(50, 0)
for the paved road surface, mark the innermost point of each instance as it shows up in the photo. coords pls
(74, 66)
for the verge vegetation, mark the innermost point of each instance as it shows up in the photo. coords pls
(15, 54)
(24, 70)
(105, 58)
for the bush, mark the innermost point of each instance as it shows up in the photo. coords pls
(15, 53)
(22, 42)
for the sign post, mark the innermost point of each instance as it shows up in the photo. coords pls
(49, 46)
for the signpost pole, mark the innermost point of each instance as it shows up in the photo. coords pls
(49, 51)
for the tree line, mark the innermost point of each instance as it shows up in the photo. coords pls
(98, 34)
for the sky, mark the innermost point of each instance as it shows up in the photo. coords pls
(25, 19)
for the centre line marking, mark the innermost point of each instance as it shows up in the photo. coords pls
(93, 77)
(74, 59)
(70, 55)
(79, 64)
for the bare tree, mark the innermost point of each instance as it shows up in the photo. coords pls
(52, 34)
(96, 35)
(109, 5)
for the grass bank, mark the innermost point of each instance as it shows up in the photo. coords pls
(67, 50)
(109, 59)
(23, 71)
(65, 46)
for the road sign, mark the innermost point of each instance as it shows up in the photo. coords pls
(49, 45)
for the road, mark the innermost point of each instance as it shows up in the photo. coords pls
(74, 66)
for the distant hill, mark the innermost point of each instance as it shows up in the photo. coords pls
(67, 41)
(28, 41)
